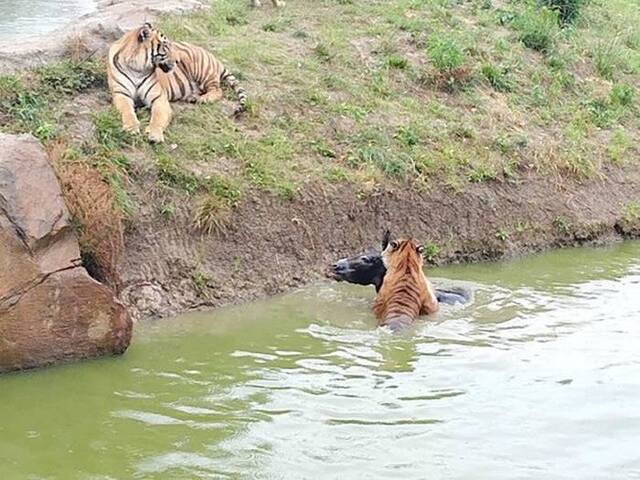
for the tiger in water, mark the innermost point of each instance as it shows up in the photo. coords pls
(406, 292)
(146, 69)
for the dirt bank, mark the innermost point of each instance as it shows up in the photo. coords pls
(273, 245)
(449, 124)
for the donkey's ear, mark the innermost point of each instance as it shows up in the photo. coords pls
(144, 32)
(386, 238)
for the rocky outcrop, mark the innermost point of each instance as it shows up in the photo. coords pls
(93, 32)
(50, 309)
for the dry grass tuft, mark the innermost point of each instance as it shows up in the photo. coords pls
(76, 48)
(212, 215)
(94, 209)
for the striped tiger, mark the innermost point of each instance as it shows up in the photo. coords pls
(146, 69)
(406, 292)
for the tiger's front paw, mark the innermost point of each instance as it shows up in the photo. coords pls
(155, 136)
(133, 128)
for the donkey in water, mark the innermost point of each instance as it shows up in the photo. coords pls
(406, 293)
(367, 268)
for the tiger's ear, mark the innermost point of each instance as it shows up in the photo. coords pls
(386, 238)
(420, 249)
(144, 32)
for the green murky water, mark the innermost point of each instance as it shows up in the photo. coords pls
(20, 19)
(538, 378)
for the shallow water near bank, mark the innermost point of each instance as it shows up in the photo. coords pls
(21, 19)
(538, 378)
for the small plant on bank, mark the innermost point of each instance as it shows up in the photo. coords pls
(407, 136)
(430, 252)
(397, 61)
(608, 58)
(482, 173)
(568, 10)
(522, 227)
(562, 225)
(167, 210)
(498, 77)
(336, 174)
(324, 52)
(619, 146)
(537, 28)
(621, 95)
(629, 223)
(631, 212)
(448, 59)
(68, 77)
(200, 280)
(211, 214)
(108, 129)
(502, 235)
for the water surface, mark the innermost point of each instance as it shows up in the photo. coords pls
(20, 19)
(538, 379)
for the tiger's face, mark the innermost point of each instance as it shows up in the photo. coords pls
(403, 250)
(158, 47)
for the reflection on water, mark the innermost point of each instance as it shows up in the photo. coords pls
(538, 378)
(25, 18)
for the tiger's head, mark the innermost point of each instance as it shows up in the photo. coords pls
(156, 48)
(401, 253)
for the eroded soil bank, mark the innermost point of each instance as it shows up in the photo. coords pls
(355, 125)
(273, 245)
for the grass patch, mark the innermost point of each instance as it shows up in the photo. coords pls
(537, 28)
(498, 77)
(448, 58)
(568, 10)
(619, 146)
(394, 94)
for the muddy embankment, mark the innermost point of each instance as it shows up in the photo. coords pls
(273, 245)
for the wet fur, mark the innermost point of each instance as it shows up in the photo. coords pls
(405, 293)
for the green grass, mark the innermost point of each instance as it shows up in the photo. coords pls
(568, 10)
(409, 93)
(498, 77)
(631, 213)
(537, 28)
(445, 53)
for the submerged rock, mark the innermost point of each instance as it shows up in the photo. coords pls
(50, 308)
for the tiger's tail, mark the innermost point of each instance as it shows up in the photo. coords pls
(228, 78)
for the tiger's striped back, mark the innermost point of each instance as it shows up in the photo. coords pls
(144, 65)
(405, 292)
(196, 73)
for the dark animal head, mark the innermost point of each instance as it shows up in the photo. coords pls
(363, 269)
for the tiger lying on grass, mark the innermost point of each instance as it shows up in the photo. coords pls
(405, 293)
(146, 69)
